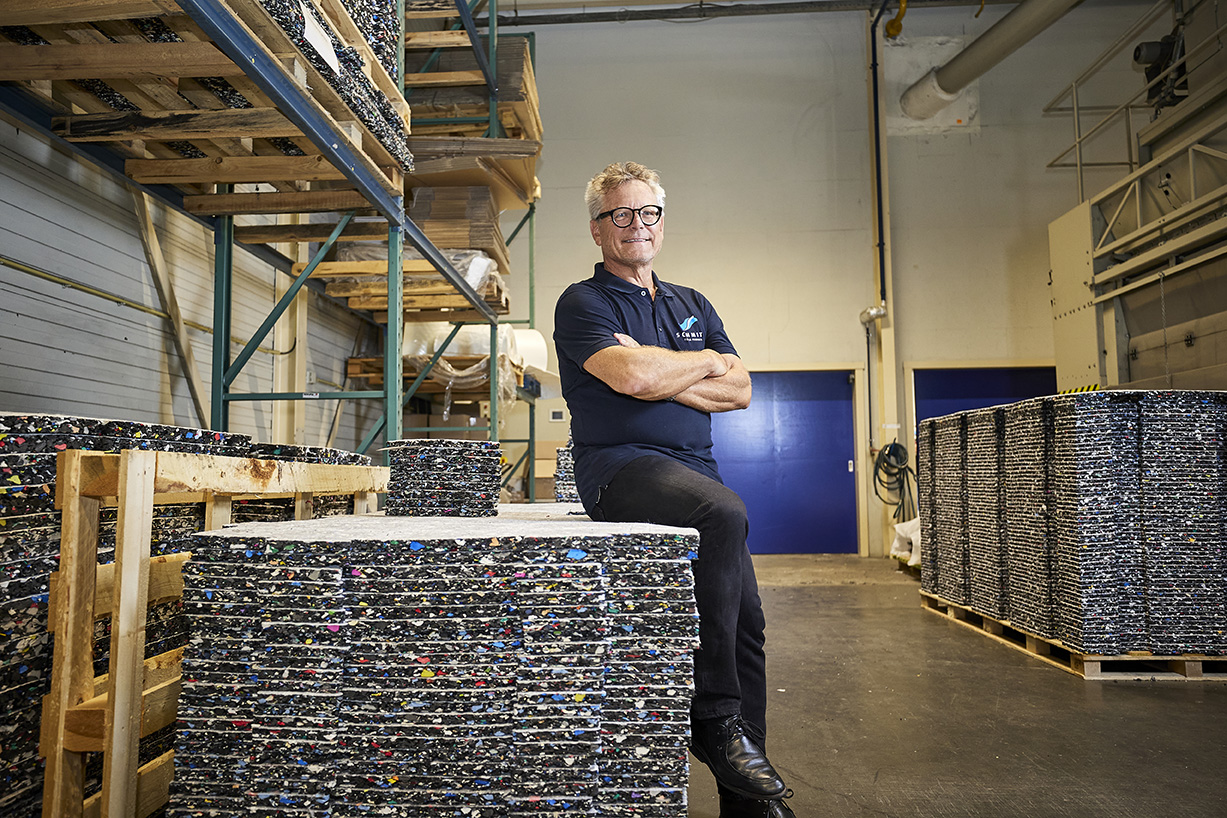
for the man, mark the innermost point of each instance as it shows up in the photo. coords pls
(643, 365)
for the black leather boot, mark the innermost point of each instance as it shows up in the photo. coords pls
(735, 760)
(732, 806)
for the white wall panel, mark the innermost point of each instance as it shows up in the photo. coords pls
(67, 352)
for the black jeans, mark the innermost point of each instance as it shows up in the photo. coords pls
(730, 667)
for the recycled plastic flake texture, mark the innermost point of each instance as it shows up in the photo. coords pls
(443, 478)
(1112, 518)
(29, 553)
(524, 664)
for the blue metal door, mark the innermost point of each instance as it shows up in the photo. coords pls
(787, 456)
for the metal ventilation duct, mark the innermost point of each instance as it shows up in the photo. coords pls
(941, 86)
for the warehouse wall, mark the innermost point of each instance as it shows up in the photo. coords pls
(760, 128)
(67, 352)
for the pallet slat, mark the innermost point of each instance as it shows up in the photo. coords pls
(1093, 667)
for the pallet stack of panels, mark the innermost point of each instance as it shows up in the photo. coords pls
(365, 100)
(514, 667)
(986, 530)
(1095, 481)
(1182, 521)
(560, 696)
(648, 683)
(926, 503)
(222, 599)
(428, 678)
(564, 475)
(443, 478)
(1028, 448)
(1113, 508)
(950, 539)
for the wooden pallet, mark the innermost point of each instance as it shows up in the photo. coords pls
(101, 41)
(1096, 667)
(519, 108)
(111, 713)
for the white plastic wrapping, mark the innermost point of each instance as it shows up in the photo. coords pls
(422, 340)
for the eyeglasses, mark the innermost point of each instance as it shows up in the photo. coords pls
(623, 216)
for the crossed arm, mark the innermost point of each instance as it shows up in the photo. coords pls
(705, 379)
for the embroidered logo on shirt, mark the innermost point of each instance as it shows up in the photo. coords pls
(689, 332)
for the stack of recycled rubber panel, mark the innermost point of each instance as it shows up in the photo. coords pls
(443, 478)
(1113, 503)
(564, 475)
(343, 70)
(950, 519)
(986, 531)
(29, 551)
(926, 502)
(1030, 560)
(1182, 509)
(1095, 486)
(529, 665)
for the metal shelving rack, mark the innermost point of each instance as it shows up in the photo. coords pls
(238, 43)
(234, 39)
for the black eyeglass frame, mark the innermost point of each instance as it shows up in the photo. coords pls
(633, 212)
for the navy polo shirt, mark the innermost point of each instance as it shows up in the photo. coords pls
(610, 429)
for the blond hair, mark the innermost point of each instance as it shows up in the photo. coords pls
(616, 175)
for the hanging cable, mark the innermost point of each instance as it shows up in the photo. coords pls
(892, 473)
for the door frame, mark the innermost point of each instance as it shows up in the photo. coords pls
(909, 381)
(862, 461)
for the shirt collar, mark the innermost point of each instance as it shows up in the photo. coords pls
(608, 279)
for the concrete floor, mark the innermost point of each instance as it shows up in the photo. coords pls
(879, 708)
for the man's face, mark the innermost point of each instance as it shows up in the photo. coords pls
(634, 245)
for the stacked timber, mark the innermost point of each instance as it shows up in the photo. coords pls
(154, 89)
(454, 87)
(461, 218)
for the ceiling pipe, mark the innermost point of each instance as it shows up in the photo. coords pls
(706, 11)
(941, 86)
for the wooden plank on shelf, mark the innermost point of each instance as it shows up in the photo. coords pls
(428, 147)
(51, 12)
(122, 715)
(440, 79)
(437, 39)
(72, 669)
(152, 788)
(305, 201)
(420, 316)
(298, 233)
(452, 300)
(231, 170)
(114, 61)
(164, 125)
(336, 269)
(85, 725)
(427, 9)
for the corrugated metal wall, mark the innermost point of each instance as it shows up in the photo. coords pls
(64, 351)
